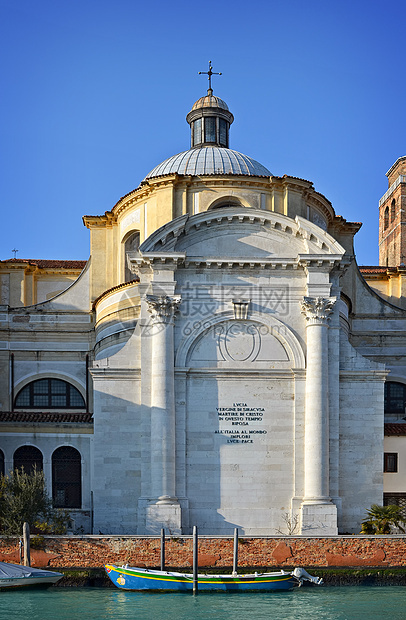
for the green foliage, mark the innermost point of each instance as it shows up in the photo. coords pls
(23, 498)
(381, 520)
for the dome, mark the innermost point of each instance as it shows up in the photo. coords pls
(209, 160)
(210, 101)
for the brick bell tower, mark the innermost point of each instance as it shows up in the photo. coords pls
(392, 217)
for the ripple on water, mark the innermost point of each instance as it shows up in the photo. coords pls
(326, 603)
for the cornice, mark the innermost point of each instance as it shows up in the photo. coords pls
(341, 225)
(32, 268)
(113, 289)
(100, 221)
(178, 180)
(179, 260)
(148, 186)
(100, 372)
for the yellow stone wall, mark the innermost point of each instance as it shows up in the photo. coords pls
(160, 200)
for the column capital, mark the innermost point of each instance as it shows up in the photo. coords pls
(317, 310)
(162, 307)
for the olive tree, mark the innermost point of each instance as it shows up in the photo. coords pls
(23, 498)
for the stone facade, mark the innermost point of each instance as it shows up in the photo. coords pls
(219, 362)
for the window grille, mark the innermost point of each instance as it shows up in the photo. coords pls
(66, 478)
(395, 397)
(28, 458)
(396, 499)
(197, 132)
(223, 132)
(210, 129)
(49, 394)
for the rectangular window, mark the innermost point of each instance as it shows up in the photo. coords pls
(223, 132)
(390, 462)
(394, 397)
(197, 132)
(210, 129)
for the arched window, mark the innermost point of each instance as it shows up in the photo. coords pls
(395, 397)
(49, 394)
(386, 218)
(131, 244)
(393, 210)
(28, 458)
(225, 201)
(66, 478)
(2, 469)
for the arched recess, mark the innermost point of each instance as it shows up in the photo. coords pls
(29, 458)
(228, 201)
(386, 218)
(275, 327)
(67, 478)
(49, 393)
(130, 243)
(393, 210)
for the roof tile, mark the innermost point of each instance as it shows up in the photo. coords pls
(395, 429)
(37, 417)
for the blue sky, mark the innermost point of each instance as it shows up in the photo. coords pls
(95, 94)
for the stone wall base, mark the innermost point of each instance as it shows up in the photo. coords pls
(319, 520)
(166, 516)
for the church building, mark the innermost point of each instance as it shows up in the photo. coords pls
(219, 361)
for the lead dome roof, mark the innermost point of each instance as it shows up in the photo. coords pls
(209, 160)
(210, 101)
(206, 158)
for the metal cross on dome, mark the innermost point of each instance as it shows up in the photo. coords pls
(209, 73)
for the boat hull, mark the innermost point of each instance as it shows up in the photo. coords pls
(17, 576)
(128, 578)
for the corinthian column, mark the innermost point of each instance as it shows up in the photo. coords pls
(162, 309)
(316, 311)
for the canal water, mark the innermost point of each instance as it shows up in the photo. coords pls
(324, 603)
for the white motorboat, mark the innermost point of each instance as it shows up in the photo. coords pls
(17, 576)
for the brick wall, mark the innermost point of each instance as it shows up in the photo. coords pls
(392, 240)
(94, 551)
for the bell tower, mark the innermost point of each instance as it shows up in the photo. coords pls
(392, 217)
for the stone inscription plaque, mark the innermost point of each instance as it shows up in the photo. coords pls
(240, 423)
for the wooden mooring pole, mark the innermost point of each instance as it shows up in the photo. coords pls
(195, 561)
(235, 552)
(26, 543)
(162, 549)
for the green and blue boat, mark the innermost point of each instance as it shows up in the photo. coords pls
(131, 578)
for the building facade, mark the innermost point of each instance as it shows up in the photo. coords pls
(219, 361)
